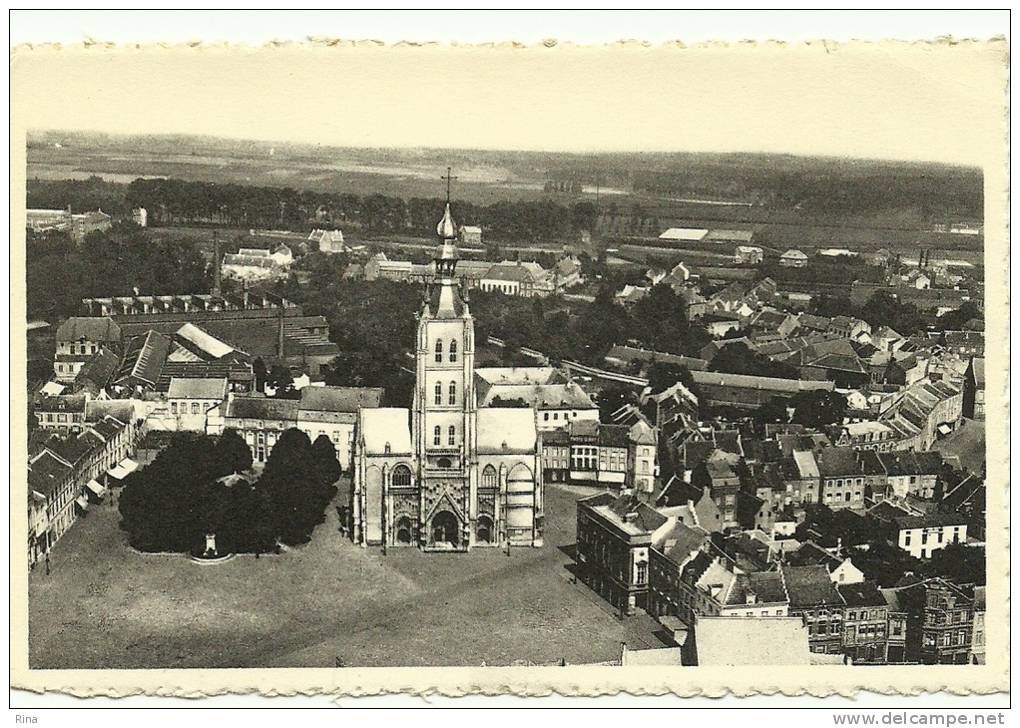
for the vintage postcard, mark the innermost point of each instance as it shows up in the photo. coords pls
(350, 368)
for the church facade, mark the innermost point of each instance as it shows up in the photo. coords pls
(447, 475)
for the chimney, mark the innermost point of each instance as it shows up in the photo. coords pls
(216, 265)
(279, 342)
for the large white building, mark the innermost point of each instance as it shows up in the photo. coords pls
(449, 474)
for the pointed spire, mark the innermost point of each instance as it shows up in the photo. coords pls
(447, 229)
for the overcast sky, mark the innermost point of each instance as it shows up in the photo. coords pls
(922, 102)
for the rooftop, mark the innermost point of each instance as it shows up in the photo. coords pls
(765, 641)
(198, 388)
(340, 399)
(385, 430)
(89, 328)
(810, 586)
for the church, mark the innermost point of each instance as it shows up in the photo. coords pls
(448, 475)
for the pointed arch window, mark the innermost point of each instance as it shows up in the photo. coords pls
(453, 393)
(451, 436)
(437, 436)
(489, 477)
(401, 475)
(439, 392)
(453, 350)
(439, 351)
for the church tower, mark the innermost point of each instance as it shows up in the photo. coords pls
(444, 418)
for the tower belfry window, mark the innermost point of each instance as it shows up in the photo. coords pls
(439, 392)
(453, 351)
(439, 351)
(436, 435)
(452, 436)
(453, 393)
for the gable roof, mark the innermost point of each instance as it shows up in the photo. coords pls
(810, 586)
(45, 473)
(512, 427)
(861, 594)
(385, 426)
(339, 399)
(765, 641)
(197, 388)
(89, 328)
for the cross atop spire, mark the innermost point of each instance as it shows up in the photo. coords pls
(449, 178)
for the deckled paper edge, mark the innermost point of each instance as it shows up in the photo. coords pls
(533, 681)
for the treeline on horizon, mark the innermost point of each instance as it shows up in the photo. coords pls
(932, 192)
(179, 202)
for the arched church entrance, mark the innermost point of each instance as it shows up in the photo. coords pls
(403, 528)
(445, 529)
(483, 530)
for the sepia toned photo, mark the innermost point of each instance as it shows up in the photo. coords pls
(344, 357)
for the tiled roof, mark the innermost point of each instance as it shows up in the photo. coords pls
(145, 358)
(46, 473)
(99, 369)
(764, 641)
(262, 408)
(90, 328)
(766, 587)
(837, 461)
(862, 594)
(810, 586)
(197, 388)
(340, 399)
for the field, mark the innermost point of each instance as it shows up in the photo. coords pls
(106, 606)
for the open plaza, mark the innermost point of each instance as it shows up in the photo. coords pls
(104, 605)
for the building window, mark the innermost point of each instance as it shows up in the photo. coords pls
(439, 393)
(451, 435)
(436, 435)
(453, 351)
(173, 408)
(439, 351)
(642, 573)
(195, 407)
(453, 393)
(489, 477)
(401, 475)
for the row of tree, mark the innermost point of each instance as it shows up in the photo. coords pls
(186, 493)
(866, 541)
(176, 202)
(115, 262)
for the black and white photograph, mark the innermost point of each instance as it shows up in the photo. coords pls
(358, 357)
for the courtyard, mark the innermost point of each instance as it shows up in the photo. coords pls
(106, 606)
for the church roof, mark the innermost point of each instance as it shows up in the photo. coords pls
(382, 426)
(513, 427)
(444, 301)
(447, 228)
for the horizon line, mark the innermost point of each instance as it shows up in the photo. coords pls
(522, 150)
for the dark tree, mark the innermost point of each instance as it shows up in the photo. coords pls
(738, 358)
(281, 380)
(325, 461)
(233, 451)
(612, 398)
(818, 408)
